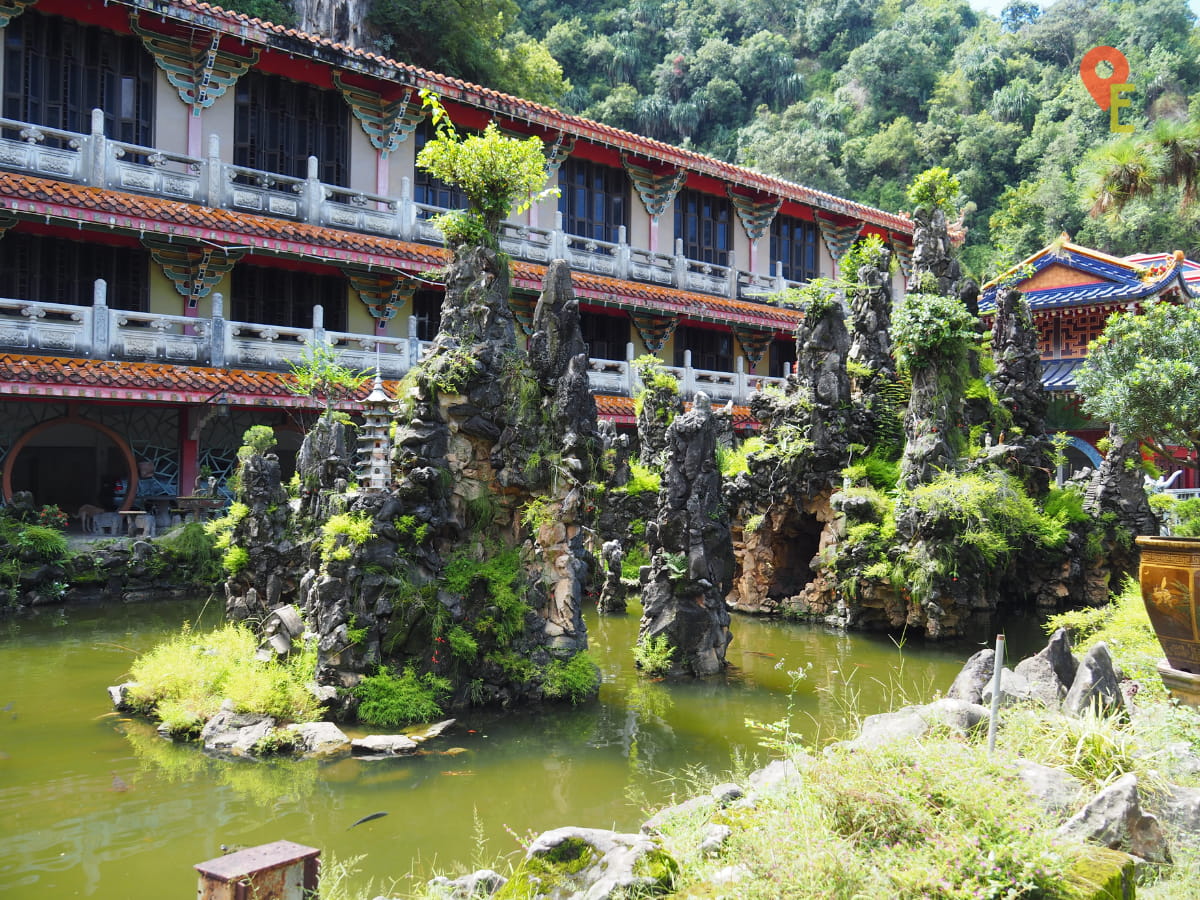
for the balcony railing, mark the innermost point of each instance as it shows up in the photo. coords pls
(96, 160)
(102, 332)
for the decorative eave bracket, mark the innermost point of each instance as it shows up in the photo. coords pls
(196, 67)
(756, 214)
(387, 123)
(838, 238)
(383, 292)
(194, 269)
(654, 331)
(656, 189)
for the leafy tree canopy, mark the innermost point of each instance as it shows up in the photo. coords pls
(1143, 375)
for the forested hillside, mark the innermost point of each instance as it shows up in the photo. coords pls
(857, 96)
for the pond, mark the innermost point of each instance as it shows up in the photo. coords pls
(96, 805)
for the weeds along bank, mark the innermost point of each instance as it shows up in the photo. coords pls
(1093, 792)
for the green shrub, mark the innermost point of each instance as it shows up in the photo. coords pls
(574, 679)
(235, 560)
(929, 329)
(355, 528)
(1066, 505)
(257, 439)
(500, 574)
(188, 676)
(388, 700)
(654, 655)
(462, 645)
(194, 551)
(635, 557)
(41, 543)
(641, 480)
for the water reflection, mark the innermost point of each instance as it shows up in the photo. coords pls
(67, 832)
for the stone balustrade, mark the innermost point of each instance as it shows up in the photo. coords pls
(100, 331)
(96, 160)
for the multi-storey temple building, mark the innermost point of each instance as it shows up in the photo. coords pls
(188, 196)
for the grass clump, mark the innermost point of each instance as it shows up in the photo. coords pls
(909, 820)
(193, 550)
(390, 700)
(185, 679)
(641, 480)
(344, 531)
(575, 679)
(498, 577)
(654, 655)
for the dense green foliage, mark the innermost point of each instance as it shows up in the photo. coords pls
(389, 700)
(492, 169)
(184, 680)
(928, 329)
(1143, 375)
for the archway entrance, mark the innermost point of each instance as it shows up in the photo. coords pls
(71, 461)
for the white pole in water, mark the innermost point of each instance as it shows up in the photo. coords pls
(999, 667)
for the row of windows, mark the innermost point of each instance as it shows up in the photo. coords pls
(57, 71)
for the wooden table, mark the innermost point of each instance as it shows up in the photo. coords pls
(199, 508)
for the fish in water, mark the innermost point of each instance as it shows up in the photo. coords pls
(378, 815)
(119, 784)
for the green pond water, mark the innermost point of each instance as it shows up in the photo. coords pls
(96, 805)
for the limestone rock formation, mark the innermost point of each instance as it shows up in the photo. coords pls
(269, 578)
(1017, 381)
(692, 554)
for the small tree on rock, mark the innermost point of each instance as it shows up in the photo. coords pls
(1143, 375)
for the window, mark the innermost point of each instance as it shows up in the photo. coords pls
(268, 296)
(57, 71)
(427, 308)
(783, 357)
(711, 349)
(279, 124)
(794, 243)
(702, 223)
(594, 200)
(54, 270)
(429, 190)
(606, 336)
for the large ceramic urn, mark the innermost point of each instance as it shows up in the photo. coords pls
(1170, 578)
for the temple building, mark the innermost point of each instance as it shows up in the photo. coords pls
(188, 196)
(1072, 291)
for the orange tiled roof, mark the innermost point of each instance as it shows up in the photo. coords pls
(136, 213)
(255, 30)
(621, 409)
(49, 377)
(56, 376)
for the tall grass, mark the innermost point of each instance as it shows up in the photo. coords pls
(184, 680)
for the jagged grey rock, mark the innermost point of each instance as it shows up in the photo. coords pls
(775, 776)
(726, 793)
(1095, 685)
(1114, 818)
(692, 553)
(614, 866)
(715, 838)
(975, 674)
(119, 695)
(481, 883)
(1014, 688)
(230, 733)
(913, 721)
(320, 740)
(384, 745)
(435, 730)
(1178, 809)
(1056, 791)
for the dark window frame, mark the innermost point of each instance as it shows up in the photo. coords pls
(797, 244)
(704, 222)
(712, 349)
(427, 189)
(51, 269)
(607, 336)
(268, 295)
(278, 123)
(594, 200)
(57, 71)
(427, 310)
(783, 356)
